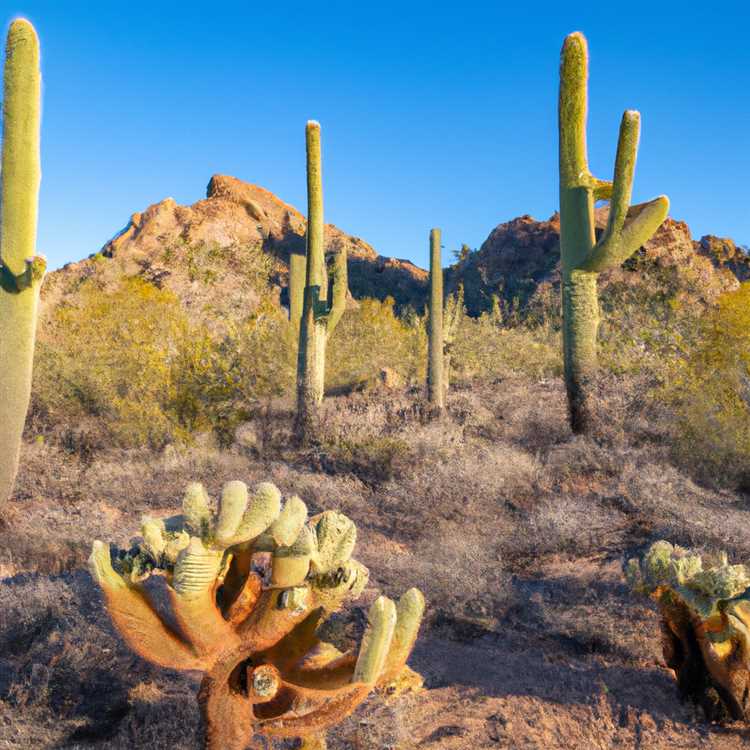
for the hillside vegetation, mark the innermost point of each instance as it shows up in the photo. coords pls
(129, 357)
(159, 365)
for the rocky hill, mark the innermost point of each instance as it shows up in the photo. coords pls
(221, 251)
(520, 261)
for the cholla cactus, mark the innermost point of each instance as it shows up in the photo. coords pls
(248, 585)
(705, 609)
(21, 270)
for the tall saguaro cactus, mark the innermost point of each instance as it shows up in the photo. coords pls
(21, 271)
(319, 317)
(435, 362)
(583, 257)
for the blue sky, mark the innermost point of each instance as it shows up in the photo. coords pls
(432, 115)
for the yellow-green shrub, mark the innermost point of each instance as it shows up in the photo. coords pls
(370, 338)
(710, 391)
(131, 363)
(485, 349)
(218, 381)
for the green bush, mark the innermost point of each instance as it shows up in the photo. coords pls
(484, 349)
(132, 364)
(709, 388)
(370, 338)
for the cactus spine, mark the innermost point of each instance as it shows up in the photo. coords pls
(583, 257)
(435, 384)
(319, 318)
(21, 271)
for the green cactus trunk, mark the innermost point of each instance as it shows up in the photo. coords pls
(435, 361)
(319, 318)
(297, 273)
(21, 271)
(583, 257)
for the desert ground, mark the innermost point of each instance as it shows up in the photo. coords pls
(516, 530)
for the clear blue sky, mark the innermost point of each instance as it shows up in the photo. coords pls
(433, 114)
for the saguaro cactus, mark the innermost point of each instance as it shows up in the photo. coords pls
(21, 271)
(319, 318)
(583, 257)
(249, 621)
(705, 610)
(435, 341)
(442, 324)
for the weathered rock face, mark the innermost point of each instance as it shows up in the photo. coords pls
(722, 252)
(516, 258)
(205, 254)
(197, 250)
(520, 260)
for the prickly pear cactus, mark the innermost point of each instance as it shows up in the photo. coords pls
(249, 583)
(705, 608)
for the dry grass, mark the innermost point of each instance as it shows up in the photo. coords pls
(515, 530)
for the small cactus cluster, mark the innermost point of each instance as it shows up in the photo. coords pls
(249, 583)
(705, 609)
(21, 269)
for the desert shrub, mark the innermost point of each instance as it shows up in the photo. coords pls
(646, 325)
(218, 381)
(486, 349)
(710, 390)
(107, 356)
(370, 338)
(211, 262)
(373, 458)
(132, 363)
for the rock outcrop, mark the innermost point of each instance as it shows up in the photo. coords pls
(520, 260)
(219, 251)
(200, 249)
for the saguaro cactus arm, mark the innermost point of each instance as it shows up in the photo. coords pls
(623, 236)
(31, 276)
(340, 286)
(265, 669)
(21, 270)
